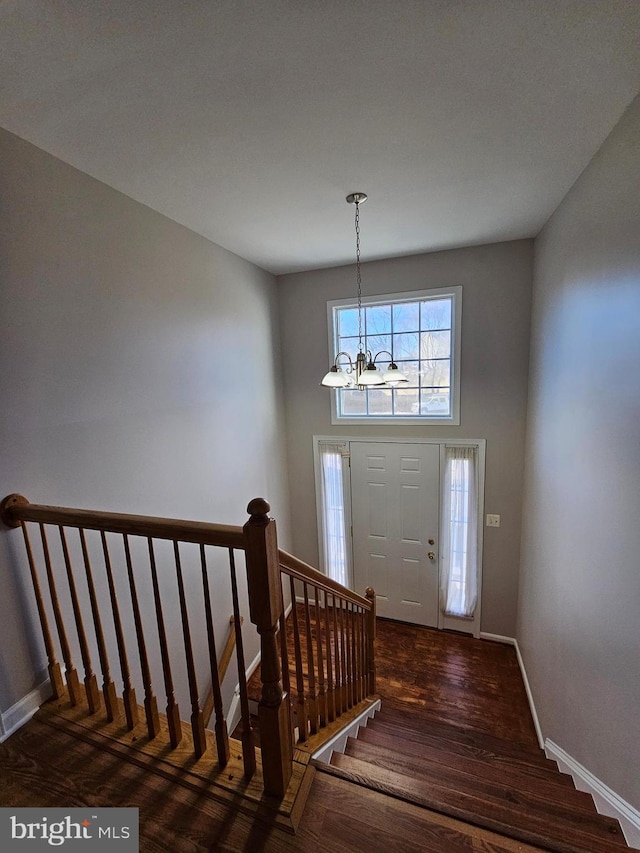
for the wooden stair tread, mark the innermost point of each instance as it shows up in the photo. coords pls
(511, 788)
(361, 819)
(470, 759)
(533, 827)
(516, 728)
(455, 728)
(469, 741)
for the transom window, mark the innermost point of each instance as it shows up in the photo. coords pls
(422, 331)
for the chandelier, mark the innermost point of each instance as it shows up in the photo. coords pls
(364, 373)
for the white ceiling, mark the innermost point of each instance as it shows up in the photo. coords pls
(248, 121)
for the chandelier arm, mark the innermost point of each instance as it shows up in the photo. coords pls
(349, 369)
(382, 352)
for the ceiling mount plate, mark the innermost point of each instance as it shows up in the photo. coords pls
(357, 198)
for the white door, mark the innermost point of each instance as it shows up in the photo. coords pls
(395, 498)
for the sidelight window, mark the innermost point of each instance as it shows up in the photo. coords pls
(459, 564)
(333, 510)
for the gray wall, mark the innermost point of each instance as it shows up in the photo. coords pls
(496, 283)
(140, 373)
(579, 609)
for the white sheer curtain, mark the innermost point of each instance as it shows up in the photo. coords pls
(459, 566)
(334, 537)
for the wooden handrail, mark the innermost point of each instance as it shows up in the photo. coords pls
(223, 666)
(302, 571)
(15, 509)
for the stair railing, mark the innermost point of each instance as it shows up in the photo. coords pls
(139, 556)
(332, 632)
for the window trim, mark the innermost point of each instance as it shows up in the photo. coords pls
(390, 298)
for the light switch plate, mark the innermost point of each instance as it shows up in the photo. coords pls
(493, 520)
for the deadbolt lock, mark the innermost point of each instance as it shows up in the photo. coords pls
(432, 541)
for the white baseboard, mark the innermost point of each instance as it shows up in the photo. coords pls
(235, 711)
(339, 741)
(20, 713)
(607, 801)
(235, 714)
(511, 641)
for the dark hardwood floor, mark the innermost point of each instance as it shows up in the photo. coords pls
(426, 679)
(455, 679)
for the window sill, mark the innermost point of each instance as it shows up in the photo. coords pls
(393, 420)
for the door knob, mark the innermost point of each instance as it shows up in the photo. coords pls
(431, 555)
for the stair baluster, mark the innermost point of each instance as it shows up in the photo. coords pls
(108, 687)
(303, 709)
(150, 703)
(344, 688)
(172, 711)
(55, 674)
(197, 717)
(220, 725)
(313, 696)
(284, 661)
(90, 681)
(337, 650)
(248, 748)
(129, 694)
(331, 698)
(73, 685)
(322, 696)
(371, 638)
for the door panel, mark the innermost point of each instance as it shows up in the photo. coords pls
(395, 492)
(377, 496)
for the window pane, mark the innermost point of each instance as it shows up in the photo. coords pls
(378, 320)
(406, 401)
(350, 346)
(353, 402)
(375, 343)
(435, 344)
(435, 374)
(435, 403)
(411, 370)
(435, 314)
(379, 401)
(347, 321)
(406, 317)
(405, 346)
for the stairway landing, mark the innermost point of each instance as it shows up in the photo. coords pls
(455, 736)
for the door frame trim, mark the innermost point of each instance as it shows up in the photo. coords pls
(452, 623)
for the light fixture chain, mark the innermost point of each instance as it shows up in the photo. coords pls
(358, 276)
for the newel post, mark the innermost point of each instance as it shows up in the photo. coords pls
(265, 607)
(371, 637)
